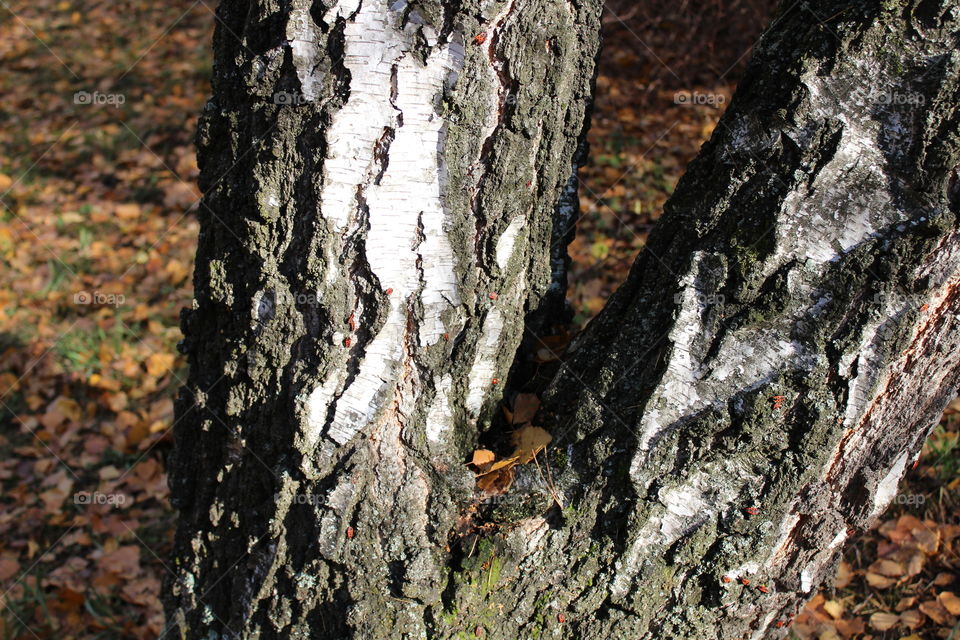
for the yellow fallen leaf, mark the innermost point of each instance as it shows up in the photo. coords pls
(159, 363)
(834, 608)
(482, 457)
(5, 182)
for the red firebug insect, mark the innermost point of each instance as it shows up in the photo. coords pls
(480, 38)
(763, 589)
(778, 401)
(561, 618)
(726, 579)
(752, 511)
(924, 307)
(347, 342)
(352, 323)
(388, 291)
(744, 581)
(350, 533)
(446, 336)
(780, 624)
(493, 295)
(495, 381)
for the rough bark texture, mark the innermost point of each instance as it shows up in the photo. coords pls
(380, 183)
(784, 343)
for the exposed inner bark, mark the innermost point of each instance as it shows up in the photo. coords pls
(381, 195)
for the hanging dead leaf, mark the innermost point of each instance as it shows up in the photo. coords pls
(529, 441)
(525, 407)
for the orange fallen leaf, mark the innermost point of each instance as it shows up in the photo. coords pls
(482, 457)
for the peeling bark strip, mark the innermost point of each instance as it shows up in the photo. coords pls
(372, 176)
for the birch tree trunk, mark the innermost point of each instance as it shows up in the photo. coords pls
(385, 192)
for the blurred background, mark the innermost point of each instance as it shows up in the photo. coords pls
(98, 108)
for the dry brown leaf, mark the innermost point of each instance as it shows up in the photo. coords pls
(878, 581)
(912, 618)
(529, 441)
(950, 602)
(882, 621)
(850, 627)
(123, 562)
(844, 575)
(8, 567)
(943, 579)
(927, 539)
(935, 611)
(906, 603)
(525, 407)
(496, 482)
(888, 568)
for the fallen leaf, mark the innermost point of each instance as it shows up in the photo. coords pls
(950, 602)
(529, 441)
(159, 363)
(884, 621)
(844, 575)
(912, 618)
(878, 581)
(482, 457)
(935, 611)
(8, 567)
(834, 608)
